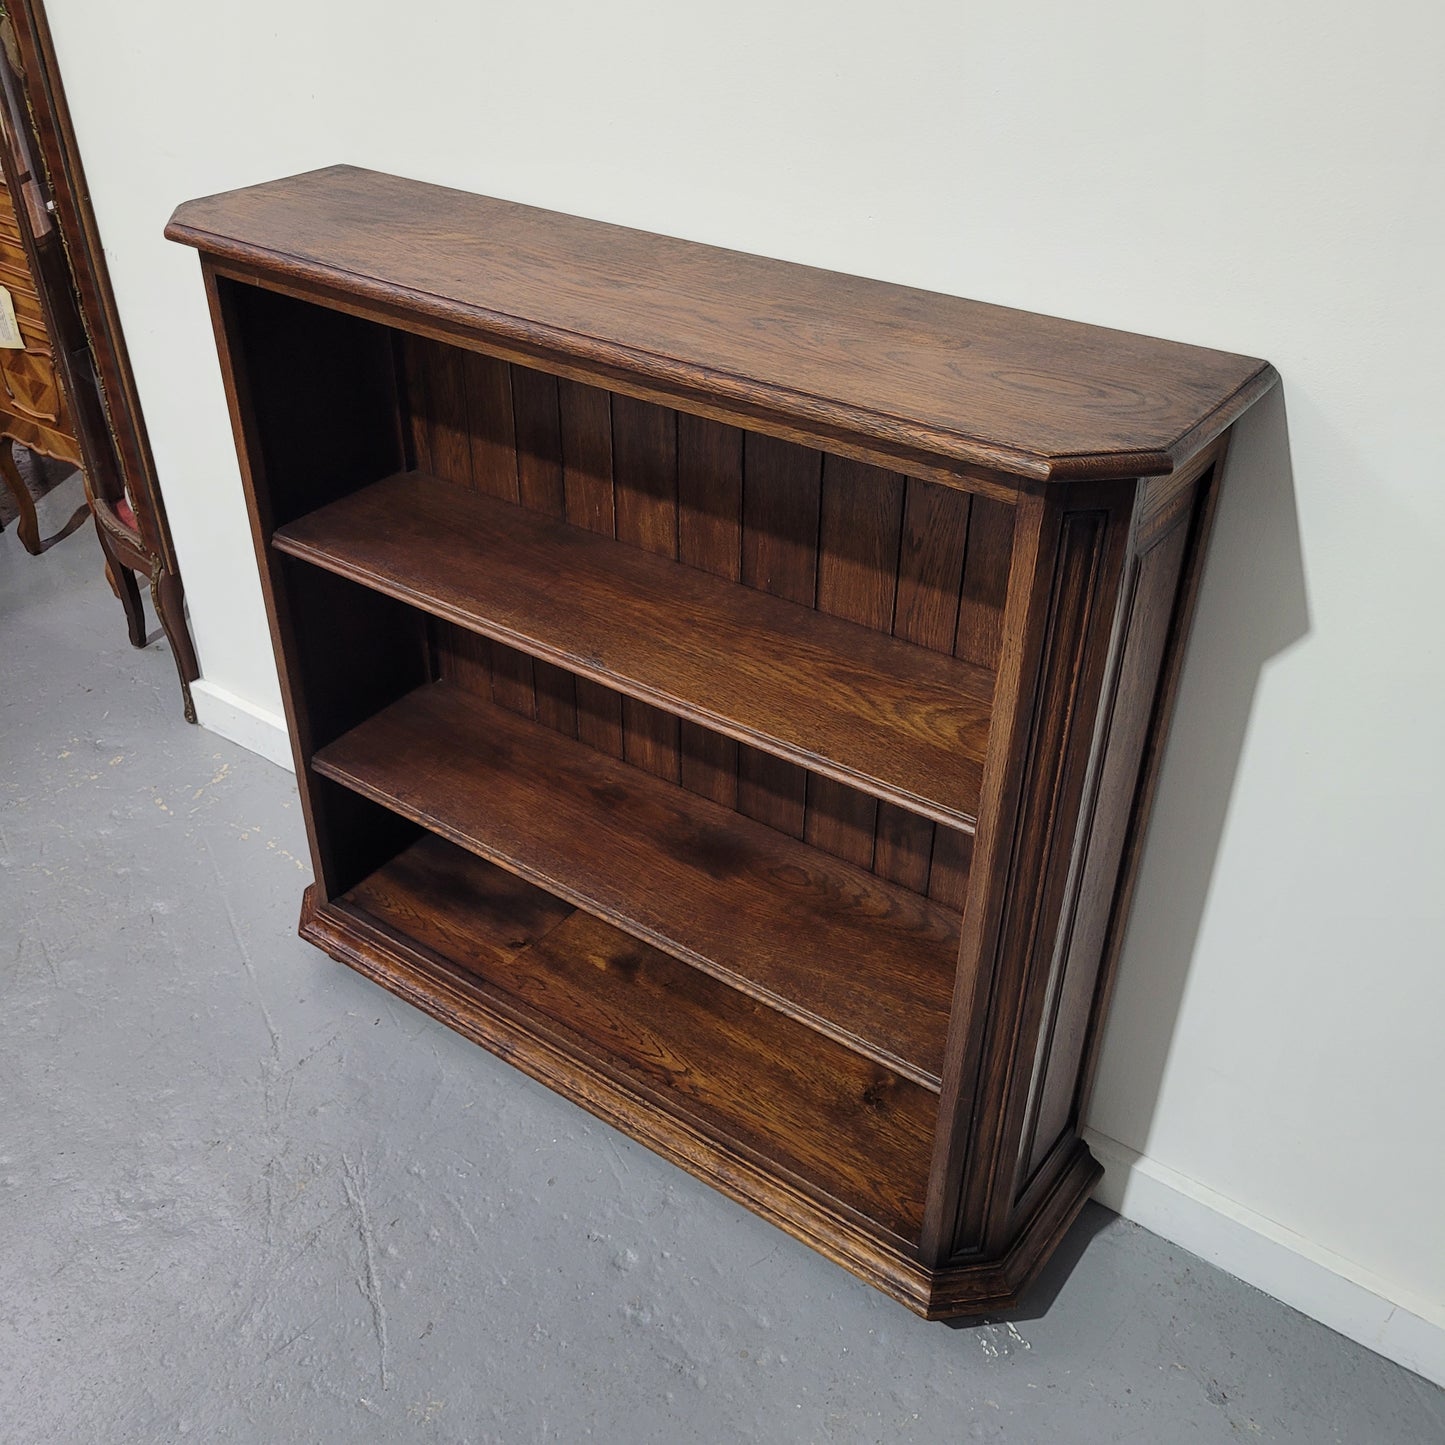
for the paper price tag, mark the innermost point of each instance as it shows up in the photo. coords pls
(10, 336)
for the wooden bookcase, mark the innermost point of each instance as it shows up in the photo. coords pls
(729, 691)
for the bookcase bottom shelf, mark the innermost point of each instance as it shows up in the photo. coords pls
(735, 1068)
(862, 960)
(832, 1147)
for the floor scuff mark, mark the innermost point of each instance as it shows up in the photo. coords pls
(354, 1181)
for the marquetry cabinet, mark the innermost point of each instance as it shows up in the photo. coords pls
(729, 691)
(33, 406)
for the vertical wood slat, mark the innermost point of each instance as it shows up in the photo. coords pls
(493, 427)
(537, 418)
(496, 471)
(861, 519)
(985, 582)
(781, 507)
(586, 422)
(709, 536)
(437, 427)
(930, 574)
(411, 354)
(467, 660)
(451, 451)
(644, 450)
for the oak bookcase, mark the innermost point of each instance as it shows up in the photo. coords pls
(730, 691)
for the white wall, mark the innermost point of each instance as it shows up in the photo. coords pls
(1264, 178)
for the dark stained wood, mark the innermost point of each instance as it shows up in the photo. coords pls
(898, 721)
(859, 525)
(710, 496)
(736, 899)
(842, 960)
(493, 427)
(538, 424)
(1201, 525)
(984, 590)
(1024, 395)
(779, 557)
(448, 434)
(1150, 595)
(1023, 852)
(930, 565)
(538, 421)
(925, 611)
(644, 470)
(948, 865)
(845, 1127)
(650, 739)
(903, 847)
(709, 537)
(644, 451)
(530, 1043)
(414, 352)
(586, 421)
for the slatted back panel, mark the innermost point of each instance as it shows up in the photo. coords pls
(921, 561)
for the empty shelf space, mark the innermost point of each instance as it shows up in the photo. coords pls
(893, 719)
(726, 1064)
(860, 959)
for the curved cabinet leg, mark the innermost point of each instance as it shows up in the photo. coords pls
(27, 528)
(122, 579)
(169, 598)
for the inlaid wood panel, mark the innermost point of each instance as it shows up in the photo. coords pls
(902, 556)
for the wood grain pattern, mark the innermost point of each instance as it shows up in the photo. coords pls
(841, 1233)
(859, 535)
(903, 722)
(979, 634)
(1023, 395)
(709, 537)
(750, 918)
(1023, 858)
(492, 426)
(732, 897)
(537, 419)
(864, 553)
(1150, 594)
(644, 451)
(586, 420)
(780, 533)
(844, 1127)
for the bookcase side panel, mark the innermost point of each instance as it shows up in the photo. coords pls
(1050, 1117)
(314, 410)
(1066, 572)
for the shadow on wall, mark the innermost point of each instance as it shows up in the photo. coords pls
(1252, 607)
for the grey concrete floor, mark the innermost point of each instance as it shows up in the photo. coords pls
(246, 1196)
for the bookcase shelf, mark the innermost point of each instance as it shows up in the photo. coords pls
(713, 1059)
(891, 718)
(860, 959)
(729, 691)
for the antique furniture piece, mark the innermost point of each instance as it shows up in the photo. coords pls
(33, 409)
(727, 690)
(85, 372)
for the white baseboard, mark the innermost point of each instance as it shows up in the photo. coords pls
(1322, 1285)
(254, 728)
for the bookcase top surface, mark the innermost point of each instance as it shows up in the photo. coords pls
(1030, 396)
